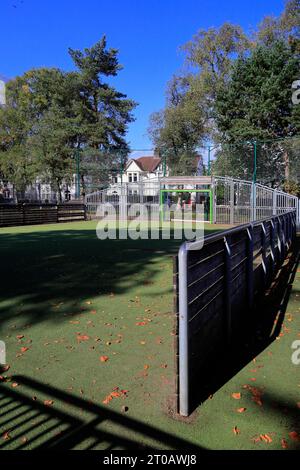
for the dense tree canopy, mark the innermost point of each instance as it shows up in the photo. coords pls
(241, 89)
(50, 112)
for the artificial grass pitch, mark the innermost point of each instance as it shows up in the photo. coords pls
(88, 327)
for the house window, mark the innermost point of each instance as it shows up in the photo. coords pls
(135, 177)
(114, 179)
(130, 177)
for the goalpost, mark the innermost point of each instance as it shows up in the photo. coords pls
(208, 211)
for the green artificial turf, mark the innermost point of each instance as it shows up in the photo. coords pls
(68, 300)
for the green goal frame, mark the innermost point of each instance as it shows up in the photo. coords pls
(208, 191)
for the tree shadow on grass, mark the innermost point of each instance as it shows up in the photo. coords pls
(65, 422)
(48, 274)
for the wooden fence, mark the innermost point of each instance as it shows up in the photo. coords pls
(216, 282)
(33, 214)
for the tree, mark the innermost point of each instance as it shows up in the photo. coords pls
(285, 27)
(50, 113)
(256, 101)
(105, 112)
(179, 128)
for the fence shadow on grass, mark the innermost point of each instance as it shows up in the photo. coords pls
(26, 422)
(267, 319)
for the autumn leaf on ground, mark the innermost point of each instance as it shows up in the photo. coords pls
(88, 302)
(236, 430)
(82, 338)
(146, 366)
(236, 396)
(256, 394)
(6, 436)
(294, 436)
(5, 368)
(20, 336)
(141, 323)
(24, 349)
(48, 402)
(241, 410)
(265, 438)
(116, 393)
(104, 358)
(284, 444)
(14, 384)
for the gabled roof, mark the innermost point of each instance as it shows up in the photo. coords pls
(148, 164)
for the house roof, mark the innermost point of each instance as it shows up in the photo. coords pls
(148, 164)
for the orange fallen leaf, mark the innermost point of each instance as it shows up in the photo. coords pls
(82, 338)
(141, 323)
(6, 435)
(48, 402)
(294, 436)
(24, 349)
(236, 396)
(20, 336)
(266, 438)
(241, 410)
(14, 384)
(284, 444)
(107, 400)
(104, 358)
(5, 368)
(236, 430)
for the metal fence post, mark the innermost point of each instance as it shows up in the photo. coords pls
(264, 252)
(274, 202)
(183, 332)
(250, 276)
(228, 276)
(231, 202)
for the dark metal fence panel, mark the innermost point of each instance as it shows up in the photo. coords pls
(218, 280)
(33, 214)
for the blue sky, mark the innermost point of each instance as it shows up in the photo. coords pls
(35, 33)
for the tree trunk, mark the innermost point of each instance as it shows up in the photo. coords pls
(286, 165)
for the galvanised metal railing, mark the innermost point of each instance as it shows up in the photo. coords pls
(217, 280)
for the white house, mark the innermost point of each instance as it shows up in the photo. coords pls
(141, 175)
(141, 169)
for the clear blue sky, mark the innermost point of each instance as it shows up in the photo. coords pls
(148, 33)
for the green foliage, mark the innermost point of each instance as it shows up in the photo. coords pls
(256, 101)
(240, 90)
(49, 113)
